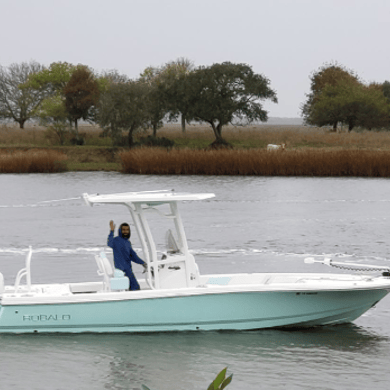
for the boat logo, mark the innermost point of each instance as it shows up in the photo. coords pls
(47, 317)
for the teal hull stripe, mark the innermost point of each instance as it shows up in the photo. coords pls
(179, 324)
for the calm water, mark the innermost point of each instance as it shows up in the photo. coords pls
(253, 225)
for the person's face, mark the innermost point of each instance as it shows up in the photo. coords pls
(125, 231)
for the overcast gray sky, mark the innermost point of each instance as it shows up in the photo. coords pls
(285, 40)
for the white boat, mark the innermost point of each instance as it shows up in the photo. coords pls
(175, 296)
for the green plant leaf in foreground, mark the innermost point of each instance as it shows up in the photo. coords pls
(226, 382)
(220, 378)
(220, 382)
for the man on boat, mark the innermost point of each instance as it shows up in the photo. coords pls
(124, 253)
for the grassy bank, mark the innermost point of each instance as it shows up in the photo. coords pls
(309, 151)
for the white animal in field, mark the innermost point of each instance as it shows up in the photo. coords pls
(271, 147)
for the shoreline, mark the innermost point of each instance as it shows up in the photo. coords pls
(191, 153)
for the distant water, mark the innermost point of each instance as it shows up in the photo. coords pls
(253, 225)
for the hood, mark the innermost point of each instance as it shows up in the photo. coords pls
(120, 234)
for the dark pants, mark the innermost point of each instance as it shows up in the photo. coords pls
(133, 283)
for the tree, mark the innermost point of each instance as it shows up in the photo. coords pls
(386, 90)
(19, 104)
(156, 107)
(220, 93)
(123, 107)
(326, 76)
(351, 103)
(53, 114)
(81, 93)
(373, 110)
(53, 79)
(110, 77)
(105, 81)
(168, 75)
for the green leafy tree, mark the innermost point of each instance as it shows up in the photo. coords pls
(167, 78)
(156, 105)
(110, 77)
(327, 76)
(52, 114)
(105, 81)
(353, 104)
(82, 88)
(386, 90)
(52, 79)
(16, 103)
(222, 93)
(123, 107)
(81, 93)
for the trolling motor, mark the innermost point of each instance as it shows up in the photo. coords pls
(350, 266)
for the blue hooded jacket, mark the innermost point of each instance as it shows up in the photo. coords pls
(123, 256)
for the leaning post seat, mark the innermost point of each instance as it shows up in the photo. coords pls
(119, 281)
(113, 279)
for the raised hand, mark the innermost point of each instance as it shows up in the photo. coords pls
(112, 226)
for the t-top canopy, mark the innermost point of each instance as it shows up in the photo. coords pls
(149, 197)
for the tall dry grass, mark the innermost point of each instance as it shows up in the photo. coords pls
(39, 136)
(33, 161)
(257, 162)
(12, 135)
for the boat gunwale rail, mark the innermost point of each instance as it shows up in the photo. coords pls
(101, 297)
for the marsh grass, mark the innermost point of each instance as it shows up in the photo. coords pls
(11, 135)
(200, 137)
(309, 151)
(33, 161)
(257, 162)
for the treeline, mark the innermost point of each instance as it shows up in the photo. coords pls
(63, 93)
(221, 94)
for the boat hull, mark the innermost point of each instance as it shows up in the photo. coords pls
(219, 311)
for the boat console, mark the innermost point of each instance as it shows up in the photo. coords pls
(175, 269)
